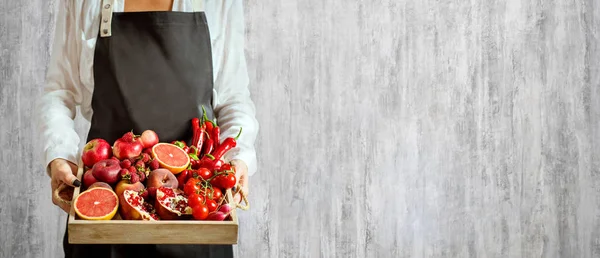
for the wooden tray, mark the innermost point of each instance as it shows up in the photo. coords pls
(117, 231)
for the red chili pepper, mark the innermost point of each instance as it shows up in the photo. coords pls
(195, 127)
(216, 131)
(208, 146)
(207, 162)
(207, 122)
(183, 177)
(200, 142)
(227, 145)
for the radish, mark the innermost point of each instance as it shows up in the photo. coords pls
(226, 208)
(217, 216)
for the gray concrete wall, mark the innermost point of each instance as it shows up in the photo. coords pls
(389, 129)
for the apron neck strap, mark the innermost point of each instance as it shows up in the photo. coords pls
(106, 18)
(107, 10)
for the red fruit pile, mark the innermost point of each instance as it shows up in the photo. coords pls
(149, 191)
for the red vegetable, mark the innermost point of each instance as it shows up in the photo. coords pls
(204, 173)
(226, 208)
(192, 186)
(208, 162)
(216, 216)
(208, 147)
(195, 127)
(224, 180)
(212, 205)
(183, 177)
(227, 145)
(200, 212)
(195, 199)
(216, 131)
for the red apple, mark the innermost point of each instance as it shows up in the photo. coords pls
(127, 147)
(160, 177)
(95, 150)
(88, 178)
(148, 139)
(107, 171)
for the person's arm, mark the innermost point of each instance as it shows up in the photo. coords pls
(57, 106)
(234, 108)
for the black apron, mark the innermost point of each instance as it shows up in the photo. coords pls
(152, 70)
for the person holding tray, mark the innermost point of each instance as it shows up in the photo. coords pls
(134, 64)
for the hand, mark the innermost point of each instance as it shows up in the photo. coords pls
(62, 172)
(241, 174)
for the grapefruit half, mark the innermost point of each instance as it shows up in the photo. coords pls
(96, 204)
(171, 157)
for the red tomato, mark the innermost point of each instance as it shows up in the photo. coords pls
(212, 205)
(204, 173)
(216, 181)
(213, 193)
(195, 200)
(200, 212)
(217, 193)
(227, 181)
(191, 186)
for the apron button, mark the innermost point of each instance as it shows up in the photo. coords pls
(105, 20)
(105, 31)
(107, 6)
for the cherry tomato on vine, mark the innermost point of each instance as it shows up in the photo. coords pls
(192, 186)
(200, 212)
(226, 181)
(212, 205)
(195, 200)
(204, 173)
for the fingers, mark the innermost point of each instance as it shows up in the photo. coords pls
(65, 172)
(242, 177)
(243, 182)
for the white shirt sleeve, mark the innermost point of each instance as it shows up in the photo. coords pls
(234, 107)
(62, 92)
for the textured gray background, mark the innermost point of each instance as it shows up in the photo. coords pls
(406, 128)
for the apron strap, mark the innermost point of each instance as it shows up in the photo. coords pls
(107, 10)
(106, 18)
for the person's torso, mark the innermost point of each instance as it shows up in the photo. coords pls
(88, 25)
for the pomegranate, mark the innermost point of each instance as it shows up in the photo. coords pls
(172, 204)
(133, 207)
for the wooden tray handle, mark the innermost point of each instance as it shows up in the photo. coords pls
(238, 189)
(57, 194)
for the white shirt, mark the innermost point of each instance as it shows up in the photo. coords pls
(70, 80)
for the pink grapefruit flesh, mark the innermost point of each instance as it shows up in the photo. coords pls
(170, 157)
(96, 204)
